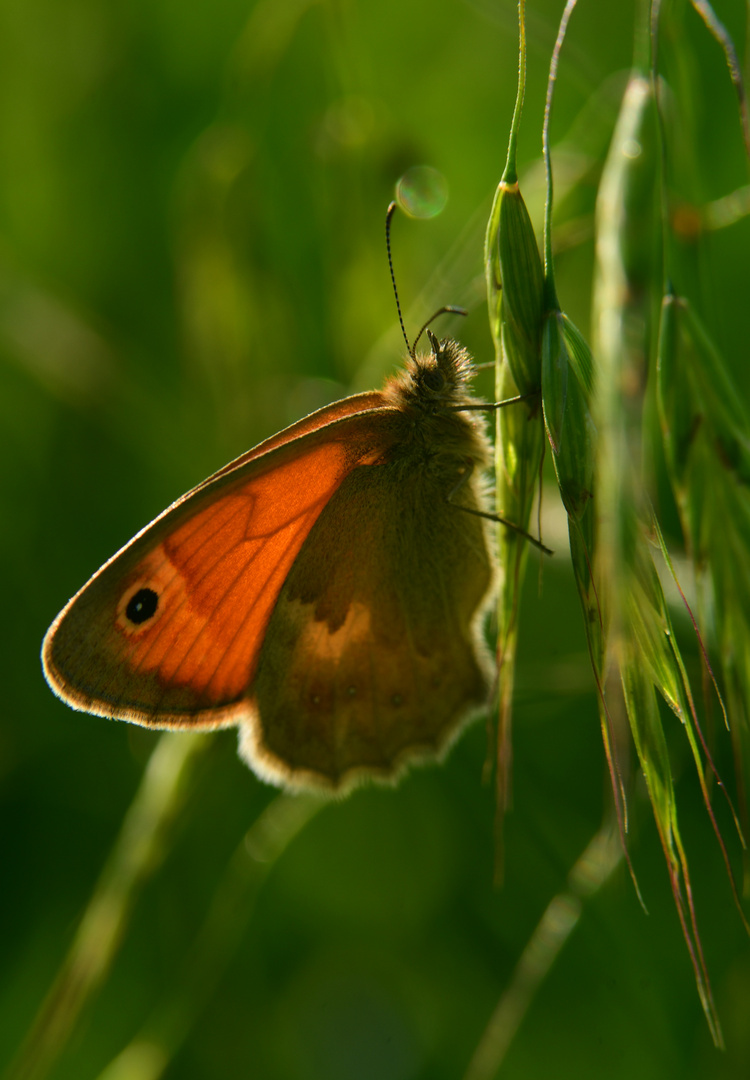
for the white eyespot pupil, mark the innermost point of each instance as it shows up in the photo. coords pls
(142, 606)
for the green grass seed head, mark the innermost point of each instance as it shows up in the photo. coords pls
(718, 399)
(566, 370)
(516, 269)
(705, 433)
(677, 416)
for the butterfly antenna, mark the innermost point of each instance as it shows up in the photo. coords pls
(388, 217)
(449, 309)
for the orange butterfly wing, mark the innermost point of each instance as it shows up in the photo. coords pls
(211, 567)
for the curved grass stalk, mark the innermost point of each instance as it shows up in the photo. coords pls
(723, 37)
(513, 273)
(136, 854)
(591, 871)
(150, 1052)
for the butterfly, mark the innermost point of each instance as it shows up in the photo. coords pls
(324, 592)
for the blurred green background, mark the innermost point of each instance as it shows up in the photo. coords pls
(192, 200)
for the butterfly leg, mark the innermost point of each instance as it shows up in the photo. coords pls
(464, 479)
(485, 406)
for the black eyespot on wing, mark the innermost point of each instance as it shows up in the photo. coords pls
(142, 606)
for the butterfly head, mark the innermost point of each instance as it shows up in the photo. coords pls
(431, 381)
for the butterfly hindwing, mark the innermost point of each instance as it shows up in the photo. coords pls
(372, 652)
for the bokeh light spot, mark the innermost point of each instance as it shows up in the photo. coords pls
(422, 192)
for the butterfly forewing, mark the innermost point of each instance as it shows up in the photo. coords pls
(170, 628)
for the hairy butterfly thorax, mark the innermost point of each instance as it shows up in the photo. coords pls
(431, 391)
